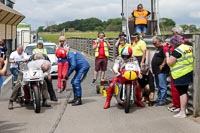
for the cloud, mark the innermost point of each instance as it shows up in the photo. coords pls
(39, 12)
(195, 14)
(186, 12)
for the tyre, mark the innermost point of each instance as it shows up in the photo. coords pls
(128, 98)
(36, 99)
(97, 89)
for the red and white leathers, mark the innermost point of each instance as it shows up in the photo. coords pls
(62, 71)
(119, 64)
(175, 94)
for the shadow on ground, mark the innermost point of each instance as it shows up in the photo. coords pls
(6, 127)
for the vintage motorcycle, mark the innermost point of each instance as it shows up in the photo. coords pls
(125, 91)
(33, 79)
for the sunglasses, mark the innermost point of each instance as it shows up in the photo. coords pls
(62, 41)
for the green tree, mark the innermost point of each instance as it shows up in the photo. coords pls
(90, 24)
(185, 27)
(52, 28)
(193, 28)
(40, 29)
(99, 28)
(114, 24)
(166, 24)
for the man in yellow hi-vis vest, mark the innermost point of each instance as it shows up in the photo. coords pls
(101, 47)
(181, 67)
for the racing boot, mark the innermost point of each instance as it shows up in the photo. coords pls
(45, 103)
(108, 98)
(77, 102)
(10, 105)
(138, 94)
(73, 100)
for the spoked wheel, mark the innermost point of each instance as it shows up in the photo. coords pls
(128, 99)
(36, 99)
(98, 89)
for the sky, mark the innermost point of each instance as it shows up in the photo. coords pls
(47, 12)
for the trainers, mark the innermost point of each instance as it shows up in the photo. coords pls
(180, 115)
(171, 108)
(94, 80)
(187, 112)
(59, 91)
(176, 110)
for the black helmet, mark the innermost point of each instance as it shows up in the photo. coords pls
(122, 34)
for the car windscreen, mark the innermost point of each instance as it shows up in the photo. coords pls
(29, 50)
(50, 49)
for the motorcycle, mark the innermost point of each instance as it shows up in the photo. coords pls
(33, 79)
(125, 91)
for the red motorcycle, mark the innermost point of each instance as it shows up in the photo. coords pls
(125, 89)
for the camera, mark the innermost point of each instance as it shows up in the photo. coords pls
(105, 39)
(2, 54)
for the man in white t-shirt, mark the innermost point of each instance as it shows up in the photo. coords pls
(16, 56)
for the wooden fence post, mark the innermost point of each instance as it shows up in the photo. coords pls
(196, 80)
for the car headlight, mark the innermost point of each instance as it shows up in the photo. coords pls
(54, 63)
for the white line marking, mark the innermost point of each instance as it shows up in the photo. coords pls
(7, 80)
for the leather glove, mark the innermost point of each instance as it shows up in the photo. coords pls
(117, 74)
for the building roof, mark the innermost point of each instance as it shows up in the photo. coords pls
(9, 16)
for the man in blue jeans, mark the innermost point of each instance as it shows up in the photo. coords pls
(16, 56)
(160, 70)
(3, 69)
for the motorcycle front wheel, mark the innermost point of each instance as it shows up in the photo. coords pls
(128, 98)
(36, 99)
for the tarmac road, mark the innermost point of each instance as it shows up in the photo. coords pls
(89, 117)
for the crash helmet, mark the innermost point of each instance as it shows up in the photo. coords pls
(61, 53)
(126, 52)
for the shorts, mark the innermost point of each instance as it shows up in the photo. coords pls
(101, 64)
(140, 28)
(182, 89)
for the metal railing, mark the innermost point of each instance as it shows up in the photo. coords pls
(85, 45)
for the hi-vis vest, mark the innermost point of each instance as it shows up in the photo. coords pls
(140, 17)
(37, 50)
(105, 50)
(184, 64)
